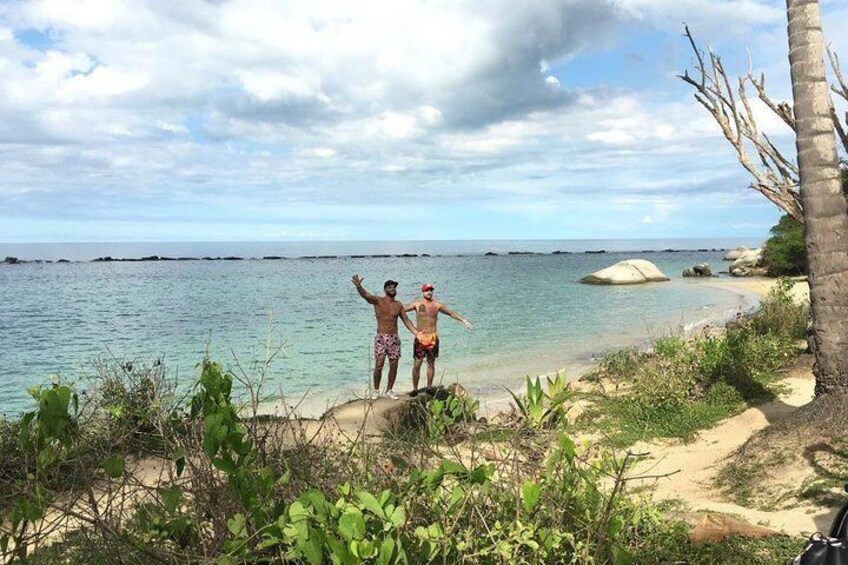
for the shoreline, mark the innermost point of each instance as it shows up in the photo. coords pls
(751, 290)
(493, 395)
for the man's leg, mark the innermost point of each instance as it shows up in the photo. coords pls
(416, 372)
(431, 370)
(393, 367)
(379, 360)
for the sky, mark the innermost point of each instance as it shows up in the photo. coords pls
(262, 120)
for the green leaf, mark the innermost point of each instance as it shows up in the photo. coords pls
(616, 524)
(352, 526)
(171, 498)
(179, 461)
(312, 549)
(620, 556)
(114, 466)
(225, 464)
(371, 504)
(237, 526)
(480, 475)
(567, 446)
(452, 468)
(367, 549)
(398, 517)
(297, 512)
(387, 549)
(530, 492)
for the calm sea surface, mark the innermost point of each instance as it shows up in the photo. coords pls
(529, 313)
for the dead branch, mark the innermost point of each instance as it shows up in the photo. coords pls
(775, 176)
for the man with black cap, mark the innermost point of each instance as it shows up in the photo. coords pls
(387, 342)
(426, 345)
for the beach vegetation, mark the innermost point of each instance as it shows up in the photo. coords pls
(132, 468)
(230, 498)
(681, 385)
(543, 407)
(785, 252)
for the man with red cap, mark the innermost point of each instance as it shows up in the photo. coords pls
(387, 342)
(426, 346)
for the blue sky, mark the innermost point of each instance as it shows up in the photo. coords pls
(262, 120)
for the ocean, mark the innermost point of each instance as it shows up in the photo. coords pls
(530, 314)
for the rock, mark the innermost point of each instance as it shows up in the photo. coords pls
(748, 264)
(699, 270)
(631, 271)
(458, 391)
(716, 527)
(490, 254)
(736, 253)
(10, 260)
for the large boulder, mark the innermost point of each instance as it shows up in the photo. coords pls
(736, 253)
(631, 271)
(748, 264)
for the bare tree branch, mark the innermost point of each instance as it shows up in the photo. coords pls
(775, 175)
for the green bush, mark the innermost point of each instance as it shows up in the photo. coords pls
(779, 315)
(684, 386)
(785, 253)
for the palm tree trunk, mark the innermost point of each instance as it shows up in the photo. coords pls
(821, 195)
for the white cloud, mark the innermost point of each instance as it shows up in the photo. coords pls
(612, 137)
(260, 101)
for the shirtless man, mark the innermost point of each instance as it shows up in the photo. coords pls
(386, 342)
(426, 344)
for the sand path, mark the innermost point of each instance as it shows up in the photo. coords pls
(696, 464)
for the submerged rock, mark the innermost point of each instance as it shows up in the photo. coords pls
(631, 271)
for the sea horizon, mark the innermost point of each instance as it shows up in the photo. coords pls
(311, 249)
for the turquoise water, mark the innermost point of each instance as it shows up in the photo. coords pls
(529, 313)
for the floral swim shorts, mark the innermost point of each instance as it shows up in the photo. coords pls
(387, 345)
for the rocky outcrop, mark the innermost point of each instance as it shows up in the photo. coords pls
(749, 264)
(631, 271)
(736, 253)
(699, 270)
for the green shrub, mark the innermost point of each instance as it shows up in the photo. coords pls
(779, 315)
(136, 401)
(618, 366)
(785, 253)
(540, 408)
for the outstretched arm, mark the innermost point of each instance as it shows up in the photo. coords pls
(357, 282)
(411, 306)
(408, 323)
(445, 310)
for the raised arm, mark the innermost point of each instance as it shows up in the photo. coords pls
(408, 323)
(445, 310)
(357, 282)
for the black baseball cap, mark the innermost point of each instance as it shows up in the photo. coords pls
(389, 283)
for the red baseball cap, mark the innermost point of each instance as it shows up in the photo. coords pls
(427, 286)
